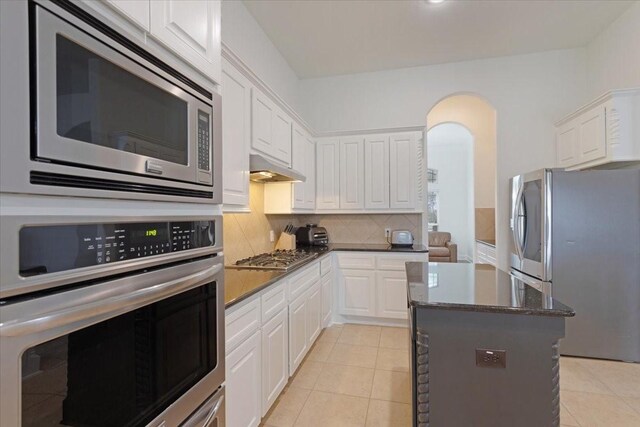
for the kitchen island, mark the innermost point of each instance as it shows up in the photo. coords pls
(484, 347)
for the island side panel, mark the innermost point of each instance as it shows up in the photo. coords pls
(524, 393)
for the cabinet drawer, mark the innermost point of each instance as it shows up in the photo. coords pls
(300, 282)
(356, 260)
(274, 300)
(241, 323)
(325, 265)
(396, 262)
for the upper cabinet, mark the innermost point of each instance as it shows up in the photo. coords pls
(304, 161)
(327, 174)
(236, 138)
(601, 134)
(271, 128)
(376, 172)
(191, 28)
(352, 173)
(137, 11)
(403, 180)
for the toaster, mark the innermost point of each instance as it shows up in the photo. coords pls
(312, 235)
(401, 238)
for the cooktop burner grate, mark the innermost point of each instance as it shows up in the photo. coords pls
(277, 260)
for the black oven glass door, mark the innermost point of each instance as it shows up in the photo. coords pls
(123, 371)
(99, 107)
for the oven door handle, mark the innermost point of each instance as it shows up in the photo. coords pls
(205, 416)
(116, 304)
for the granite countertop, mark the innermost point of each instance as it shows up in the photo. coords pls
(476, 287)
(490, 242)
(240, 284)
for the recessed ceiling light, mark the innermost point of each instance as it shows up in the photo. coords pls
(435, 1)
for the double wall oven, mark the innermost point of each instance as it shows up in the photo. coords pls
(106, 116)
(111, 270)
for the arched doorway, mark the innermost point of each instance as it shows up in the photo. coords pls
(478, 117)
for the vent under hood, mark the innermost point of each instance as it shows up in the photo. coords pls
(264, 170)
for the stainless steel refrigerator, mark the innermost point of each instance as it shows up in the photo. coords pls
(577, 236)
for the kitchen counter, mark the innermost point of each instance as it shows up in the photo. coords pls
(240, 284)
(484, 347)
(476, 287)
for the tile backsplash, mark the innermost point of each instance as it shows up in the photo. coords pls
(247, 234)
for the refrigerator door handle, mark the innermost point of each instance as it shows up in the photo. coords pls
(516, 223)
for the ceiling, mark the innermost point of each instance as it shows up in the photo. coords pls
(321, 38)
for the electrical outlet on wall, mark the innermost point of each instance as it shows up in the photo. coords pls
(387, 232)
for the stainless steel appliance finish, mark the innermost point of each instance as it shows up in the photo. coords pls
(312, 235)
(70, 319)
(277, 260)
(20, 213)
(108, 118)
(401, 238)
(265, 170)
(577, 235)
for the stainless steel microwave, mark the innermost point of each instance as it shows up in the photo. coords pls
(108, 118)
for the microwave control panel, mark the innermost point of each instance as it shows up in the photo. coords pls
(49, 249)
(204, 141)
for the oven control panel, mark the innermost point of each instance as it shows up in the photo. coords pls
(52, 248)
(203, 141)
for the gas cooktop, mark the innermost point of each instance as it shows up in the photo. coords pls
(277, 260)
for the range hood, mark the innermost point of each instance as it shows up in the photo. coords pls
(264, 170)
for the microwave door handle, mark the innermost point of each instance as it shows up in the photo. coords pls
(116, 303)
(522, 213)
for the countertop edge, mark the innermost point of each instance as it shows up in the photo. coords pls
(491, 309)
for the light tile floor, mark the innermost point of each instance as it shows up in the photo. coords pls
(359, 376)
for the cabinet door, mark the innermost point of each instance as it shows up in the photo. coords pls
(403, 152)
(357, 292)
(136, 11)
(391, 294)
(243, 383)
(376, 172)
(191, 28)
(299, 163)
(314, 312)
(298, 344)
(567, 144)
(275, 358)
(310, 173)
(352, 173)
(327, 299)
(282, 136)
(592, 143)
(262, 113)
(328, 174)
(236, 136)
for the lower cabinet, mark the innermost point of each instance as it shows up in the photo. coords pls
(298, 344)
(327, 299)
(243, 383)
(356, 290)
(392, 294)
(275, 358)
(314, 312)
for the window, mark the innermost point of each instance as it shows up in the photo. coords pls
(433, 209)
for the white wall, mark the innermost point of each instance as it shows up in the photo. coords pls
(244, 36)
(450, 150)
(613, 58)
(528, 92)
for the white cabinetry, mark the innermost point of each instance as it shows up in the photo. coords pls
(328, 174)
(403, 171)
(275, 358)
(352, 173)
(137, 11)
(243, 383)
(326, 281)
(601, 134)
(271, 128)
(298, 344)
(236, 138)
(373, 286)
(304, 161)
(314, 312)
(191, 28)
(376, 172)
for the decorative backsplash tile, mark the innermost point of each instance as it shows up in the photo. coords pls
(247, 234)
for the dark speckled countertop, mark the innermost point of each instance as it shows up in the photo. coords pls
(240, 284)
(476, 287)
